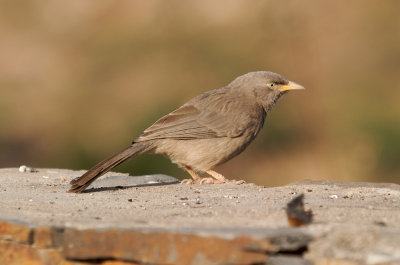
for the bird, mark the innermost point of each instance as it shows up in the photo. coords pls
(208, 130)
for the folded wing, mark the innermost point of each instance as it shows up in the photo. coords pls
(200, 119)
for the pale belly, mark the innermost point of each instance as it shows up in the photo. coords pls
(202, 154)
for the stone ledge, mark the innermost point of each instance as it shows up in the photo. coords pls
(55, 245)
(151, 219)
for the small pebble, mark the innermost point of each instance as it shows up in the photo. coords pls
(334, 196)
(24, 168)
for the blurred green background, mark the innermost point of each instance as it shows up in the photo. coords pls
(79, 80)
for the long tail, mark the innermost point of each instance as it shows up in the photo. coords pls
(81, 183)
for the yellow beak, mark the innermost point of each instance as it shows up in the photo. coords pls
(291, 86)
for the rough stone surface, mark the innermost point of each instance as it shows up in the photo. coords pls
(152, 219)
(12, 253)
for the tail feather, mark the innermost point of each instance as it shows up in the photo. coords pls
(81, 183)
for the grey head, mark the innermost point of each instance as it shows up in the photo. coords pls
(267, 87)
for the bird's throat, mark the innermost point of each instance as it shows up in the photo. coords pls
(269, 102)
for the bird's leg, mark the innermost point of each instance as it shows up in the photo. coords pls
(216, 178)
(196, 179)
(221, 179)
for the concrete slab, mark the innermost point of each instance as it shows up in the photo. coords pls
(357, 223)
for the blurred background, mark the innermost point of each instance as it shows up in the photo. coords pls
(80, 80)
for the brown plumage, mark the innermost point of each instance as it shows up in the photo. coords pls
(207, 131)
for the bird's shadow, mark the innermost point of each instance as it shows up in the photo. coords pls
(107, 183)
(115, 188)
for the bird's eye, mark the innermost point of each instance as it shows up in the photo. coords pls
(271, 85)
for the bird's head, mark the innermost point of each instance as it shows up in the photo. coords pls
(267, 87)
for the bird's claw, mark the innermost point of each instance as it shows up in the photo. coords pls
(201, 181)
(187, 181)
(211, 181)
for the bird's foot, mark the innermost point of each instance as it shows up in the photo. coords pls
(210, 181)
(215, 178)
(221, 179)
(201, 181)
(187, 181)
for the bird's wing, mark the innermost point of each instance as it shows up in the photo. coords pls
(200, 119)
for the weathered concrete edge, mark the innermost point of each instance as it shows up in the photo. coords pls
(156, 246)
